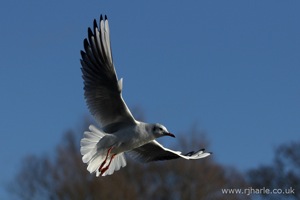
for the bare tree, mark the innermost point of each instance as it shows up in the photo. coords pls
(283, 174)
(64, 176)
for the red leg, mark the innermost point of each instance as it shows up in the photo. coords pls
(106, 168)
(103, 163)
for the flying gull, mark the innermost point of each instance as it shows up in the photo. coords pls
(103, 149)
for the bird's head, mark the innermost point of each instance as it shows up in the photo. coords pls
(159, 130)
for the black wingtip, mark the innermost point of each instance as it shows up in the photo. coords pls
(83, 57)
(95, 24)
(105, 17)
(189, 153)
(101, 17)
(82, 53)
(86, 44)
(90, 32)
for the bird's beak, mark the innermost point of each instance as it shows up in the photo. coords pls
(170, 134)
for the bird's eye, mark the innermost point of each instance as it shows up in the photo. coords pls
(160, 129)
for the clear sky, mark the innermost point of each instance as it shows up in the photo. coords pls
(231, 67)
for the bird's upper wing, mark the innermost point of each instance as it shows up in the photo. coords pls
(154, 151)
(102, 90)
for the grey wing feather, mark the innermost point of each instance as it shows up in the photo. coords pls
(154, 151)
(102, 90)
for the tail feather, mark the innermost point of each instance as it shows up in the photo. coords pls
(89, 155)
(94, 163)
(94, 157)
(89, 143)
(85, 150)
(85, 142)
(116, 164)
(93, 137)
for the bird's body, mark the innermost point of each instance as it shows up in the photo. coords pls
(103, 149)
(129, 138)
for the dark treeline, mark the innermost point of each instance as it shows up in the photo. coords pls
(63, 176)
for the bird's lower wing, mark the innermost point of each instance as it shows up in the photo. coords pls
(154, 151)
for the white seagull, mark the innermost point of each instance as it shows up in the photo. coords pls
(103, 149)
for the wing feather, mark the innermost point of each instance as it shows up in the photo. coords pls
(102, 91)
(154, 151)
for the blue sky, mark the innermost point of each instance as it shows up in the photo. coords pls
(231, 67)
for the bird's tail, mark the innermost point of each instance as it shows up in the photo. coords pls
(94, 157)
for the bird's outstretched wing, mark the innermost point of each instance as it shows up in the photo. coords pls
(154, 151)
(102, 90)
